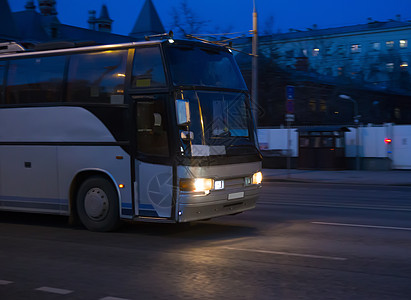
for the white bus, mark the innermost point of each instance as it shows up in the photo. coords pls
(156, 130)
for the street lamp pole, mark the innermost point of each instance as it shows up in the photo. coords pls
(254, 67)
(357, 135)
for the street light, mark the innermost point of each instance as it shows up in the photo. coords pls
(254, 67)
(357, 136)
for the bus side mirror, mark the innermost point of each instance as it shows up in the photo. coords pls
(183, 112)
(187, 136)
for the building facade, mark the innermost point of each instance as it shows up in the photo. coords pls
(368, 62)
(376, 54)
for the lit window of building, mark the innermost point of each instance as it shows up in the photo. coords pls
(389, 44)
(376, 46)
(403, 43)
(323, 106)
(355, 48)
(316, 51)
(390, 67)
(312, 105)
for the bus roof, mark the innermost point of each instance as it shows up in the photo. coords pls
(68, 47)
(75, 48)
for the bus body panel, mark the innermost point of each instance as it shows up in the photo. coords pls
(43, 149)
(62, 124)
(155, 190)
(234, 198)
(29, 178)
(96, 159)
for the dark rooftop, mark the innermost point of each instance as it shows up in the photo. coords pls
(148, 22)
(371, 26)
(8, 28)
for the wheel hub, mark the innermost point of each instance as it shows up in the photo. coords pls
(96, 204)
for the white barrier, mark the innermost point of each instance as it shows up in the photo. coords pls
(371, 142)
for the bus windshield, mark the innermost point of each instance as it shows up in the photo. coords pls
(220, 123)
(205, 67)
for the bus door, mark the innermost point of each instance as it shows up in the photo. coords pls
(153, 170)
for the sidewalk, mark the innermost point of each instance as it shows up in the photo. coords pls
(395, 177)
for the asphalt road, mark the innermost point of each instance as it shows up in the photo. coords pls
(303, 241)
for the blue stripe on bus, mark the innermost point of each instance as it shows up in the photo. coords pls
(146, 206)
(31, 199)
(34, 205)
(126, 205)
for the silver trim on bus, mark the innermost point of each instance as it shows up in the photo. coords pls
(81, 49)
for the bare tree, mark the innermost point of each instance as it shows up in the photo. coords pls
(185, 20)
(223, 29)
(268, 26)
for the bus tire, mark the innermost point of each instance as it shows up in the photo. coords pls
(97, 204)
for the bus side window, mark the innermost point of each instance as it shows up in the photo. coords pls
(35, 80)
(152, 133)
(97, 77)
(148, 70)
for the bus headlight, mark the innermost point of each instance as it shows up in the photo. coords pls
(196, 184)
(257, 178)
(203, 184)
(219, 184)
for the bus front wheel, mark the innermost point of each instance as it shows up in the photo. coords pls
(97, 204)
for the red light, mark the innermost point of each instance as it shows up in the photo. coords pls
(388, 141)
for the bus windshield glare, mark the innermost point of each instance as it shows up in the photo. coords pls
(220, 124)
(221, 121)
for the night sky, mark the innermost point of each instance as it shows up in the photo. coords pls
(236, 15)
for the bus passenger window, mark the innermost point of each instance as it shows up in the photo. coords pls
(35, 80)
(97, 77)
(148, 70)
(152, 135)
(2, 70)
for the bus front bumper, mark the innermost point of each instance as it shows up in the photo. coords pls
(197, 208)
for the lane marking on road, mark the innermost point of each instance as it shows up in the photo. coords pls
(362, 226)
(52, 290)
(112, 298)
(286, 253)
(385, 208)
(5, 282)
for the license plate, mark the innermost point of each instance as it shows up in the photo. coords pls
(235, 195)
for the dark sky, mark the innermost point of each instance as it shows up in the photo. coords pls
(236, 15)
